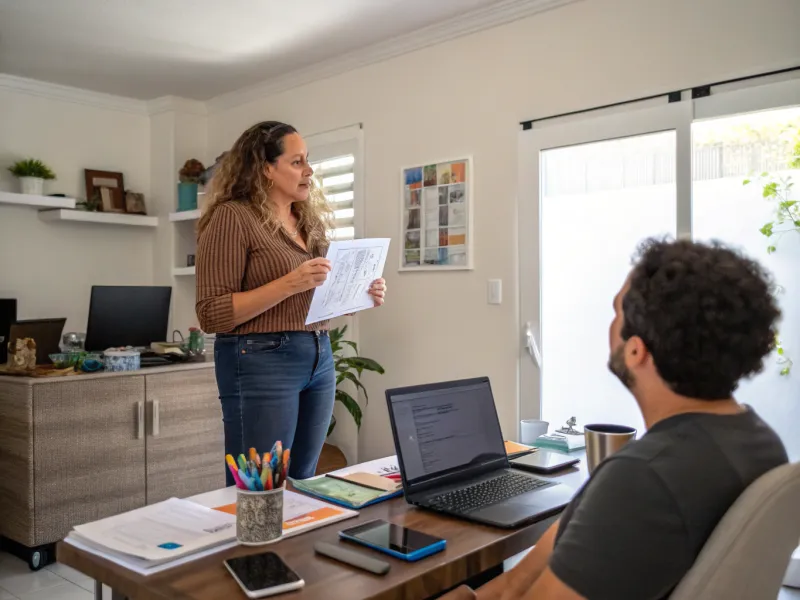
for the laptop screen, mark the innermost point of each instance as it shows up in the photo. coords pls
(444, 428)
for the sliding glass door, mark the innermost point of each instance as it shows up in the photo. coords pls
(744, 168)
(592, 190)
(588, 195)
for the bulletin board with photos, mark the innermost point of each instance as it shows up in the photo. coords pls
(436, 218)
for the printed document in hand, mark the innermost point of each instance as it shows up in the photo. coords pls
(161, 532)
(355, 265)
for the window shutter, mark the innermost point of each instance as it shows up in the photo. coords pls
(336, 177)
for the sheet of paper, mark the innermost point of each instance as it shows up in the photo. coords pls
(372, 480)
(300, 513)
(379, 466)
(516, 448)
(162, 531)
(355, 265)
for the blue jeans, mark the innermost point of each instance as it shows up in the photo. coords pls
(276, 386)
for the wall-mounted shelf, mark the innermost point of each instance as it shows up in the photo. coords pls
(182, 271)
(36, 201)
(83, 216)
(185, 215)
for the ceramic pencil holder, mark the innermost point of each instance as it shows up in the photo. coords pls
(259, 516)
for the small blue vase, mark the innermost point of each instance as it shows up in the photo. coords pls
(187, 196)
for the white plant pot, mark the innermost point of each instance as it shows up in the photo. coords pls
(32, 185)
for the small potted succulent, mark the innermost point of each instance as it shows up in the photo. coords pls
(189, 177)
(31, 173)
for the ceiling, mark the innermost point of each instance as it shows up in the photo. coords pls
(198, 48)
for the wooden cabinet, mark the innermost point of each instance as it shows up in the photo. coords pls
(89, 451)
(77, 449)
(185, 439)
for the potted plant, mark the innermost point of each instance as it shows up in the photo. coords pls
(189, 177)
(778, 189)
(787, 220)
(31, 174)
(349, 368)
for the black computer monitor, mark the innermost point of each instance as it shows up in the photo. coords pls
(121, 315)
(8, 315)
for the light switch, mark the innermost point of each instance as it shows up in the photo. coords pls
(495, 291)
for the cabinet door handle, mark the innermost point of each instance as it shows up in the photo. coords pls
(156, 423)
(139, 420)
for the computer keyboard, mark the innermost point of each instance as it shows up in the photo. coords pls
(486, 493)
(151, 359)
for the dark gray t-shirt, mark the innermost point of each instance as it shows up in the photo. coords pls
(636, 527)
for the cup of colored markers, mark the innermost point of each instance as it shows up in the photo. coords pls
(260, 481)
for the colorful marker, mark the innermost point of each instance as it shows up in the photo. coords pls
(247, 482)
(268, 485)
(235, 472)
(255, 457)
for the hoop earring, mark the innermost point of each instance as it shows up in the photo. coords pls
(270, 185)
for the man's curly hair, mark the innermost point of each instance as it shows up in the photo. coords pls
(706, 313)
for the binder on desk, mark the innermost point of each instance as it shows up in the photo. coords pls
(342, 492)
(346, 487)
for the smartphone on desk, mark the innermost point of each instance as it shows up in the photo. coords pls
(544, 462)
(394, 540)
(262, 575)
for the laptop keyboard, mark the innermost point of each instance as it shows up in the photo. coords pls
(486, 493)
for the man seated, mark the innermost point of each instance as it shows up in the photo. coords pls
(690, 321)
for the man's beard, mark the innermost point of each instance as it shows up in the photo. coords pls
(616, 364)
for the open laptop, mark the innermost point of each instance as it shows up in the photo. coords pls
(45, 332)
(452, 457)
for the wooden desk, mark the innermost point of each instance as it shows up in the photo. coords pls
(471, 550)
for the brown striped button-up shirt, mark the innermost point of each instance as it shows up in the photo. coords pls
(237, 253)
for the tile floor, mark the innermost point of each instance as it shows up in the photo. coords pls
(59, 582)
(54, 582)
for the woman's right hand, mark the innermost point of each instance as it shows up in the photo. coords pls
(309, 275)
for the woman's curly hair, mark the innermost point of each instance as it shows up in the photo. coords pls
(706, 313)
(240, 177)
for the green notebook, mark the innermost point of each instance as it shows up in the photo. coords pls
(564, 443)
(340, 492)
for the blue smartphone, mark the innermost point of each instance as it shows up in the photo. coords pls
(394, 540)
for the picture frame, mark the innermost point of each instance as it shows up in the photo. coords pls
(134, 203)
(436, 225)
(109, 186)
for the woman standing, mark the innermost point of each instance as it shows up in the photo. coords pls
(260, 254)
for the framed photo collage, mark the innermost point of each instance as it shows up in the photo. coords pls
(436, 216)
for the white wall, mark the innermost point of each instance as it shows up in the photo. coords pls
(466, 97)
(175, 136)
(55, 264)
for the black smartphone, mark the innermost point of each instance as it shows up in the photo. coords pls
(262, 575)
(544, 462)
(394, 540)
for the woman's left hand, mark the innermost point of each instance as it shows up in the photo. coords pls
(378, 291)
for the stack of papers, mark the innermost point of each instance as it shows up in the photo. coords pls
(158, 536)
(162, 536)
